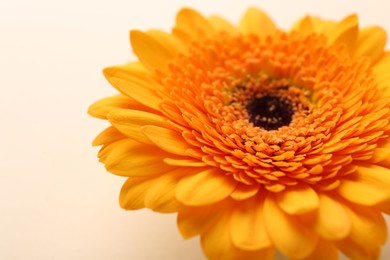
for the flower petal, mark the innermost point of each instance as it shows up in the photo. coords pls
(193, 221)
(216, 244)
(151, 52)
(193, 23)
(345, 32)
(257, 22)
(205, 188)
(169, 41)
(131, 158)
(160, 196)
(247, 227)
(243, 191)
(337, 226)
(129, 122)
(168, 140)
(137, 91)
(368, 226)
(358, 252)
(371, 42)
(222, 25)
(132, 195)
(109, 135)
(102, 107)
(368, 186)
(324, 251)
(381, 69)
(298, 200)
(289, 236)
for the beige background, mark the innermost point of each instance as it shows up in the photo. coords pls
(56, 200)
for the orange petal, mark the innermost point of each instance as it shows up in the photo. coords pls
(136, 159)
(324, 251)
(168, 140)
(132, 195)
(247, 227)
(291, 237)
(192, 221)
(221, 25)
(205, 188)
(216, 244)
(160, 196)
(381, 71)
(193, 23)
(139, 92)
(345, 32)
(107, 136)
(102, 107)
(298, 200)
(304, 25)
(369, 186)
(371, 42)
(150, 51)
(257, 22)
(129, 122)
(368, 226)
(332, 222)
(243, 191)
(358, 252)
(173, 44)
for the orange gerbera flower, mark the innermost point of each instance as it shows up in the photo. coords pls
(260, 139)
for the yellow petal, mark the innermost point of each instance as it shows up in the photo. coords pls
(368, 226)
(193, 23)
(185, 162)
(130, 71)
(129, 122)
(332, 222)
(358, 252)
(322, 26)
(169, 41)
(291, 237)
(298, 200)
(247, 227)
(345, 32)
(150, 51)
(381, 71)
(192, 221)
(102, 107)
(257, 22)
(160, 196)
(136, 159)
(243, 191)
(324, 251)
(132, 195)
(369, 186)
(304, 25)
(205, 188)
(216, 244)
(137, 91)
(371, 42)
(108, 135)
(221, 25)
(167, 139)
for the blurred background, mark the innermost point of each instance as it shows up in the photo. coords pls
(56, 201)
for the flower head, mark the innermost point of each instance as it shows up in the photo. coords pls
(260, 139)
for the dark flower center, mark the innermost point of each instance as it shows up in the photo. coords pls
(270, 112)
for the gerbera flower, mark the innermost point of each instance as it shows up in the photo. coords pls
(260, 139)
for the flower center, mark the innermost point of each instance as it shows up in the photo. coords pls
(270, 112)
